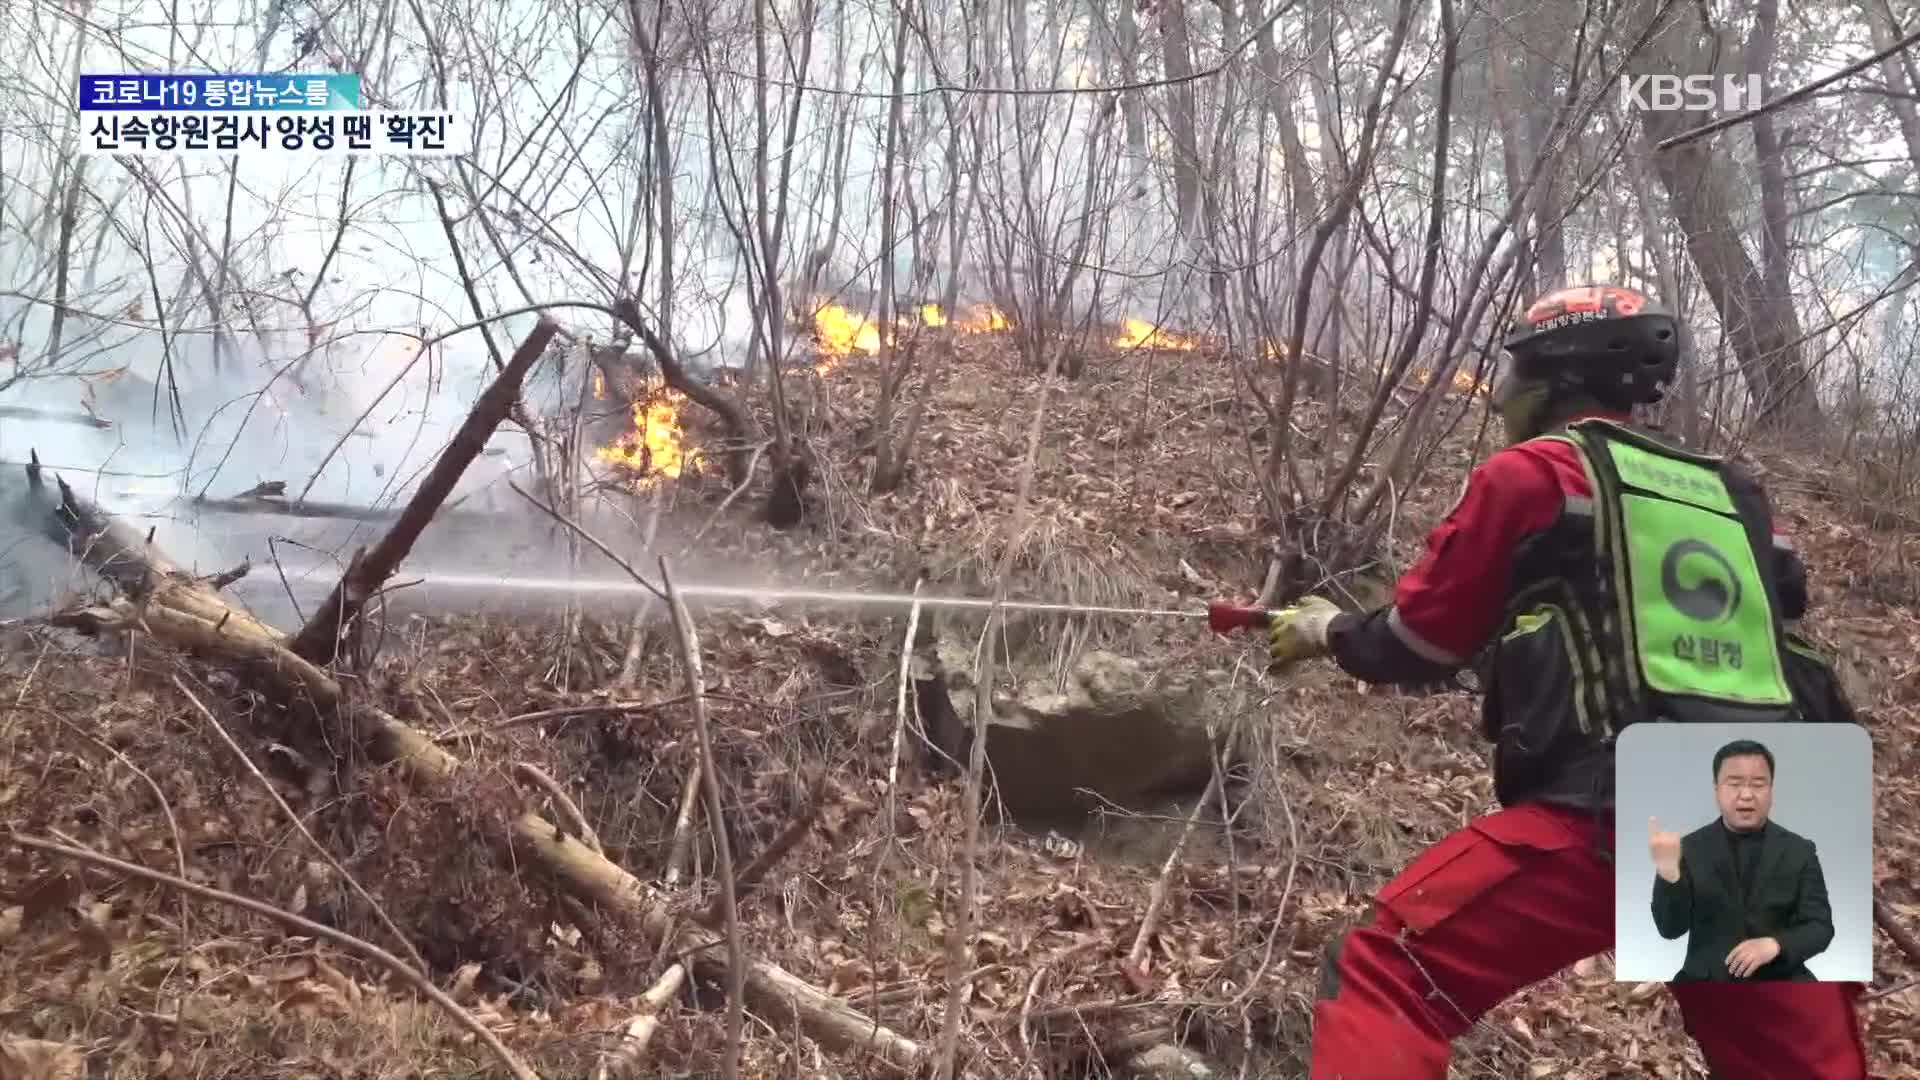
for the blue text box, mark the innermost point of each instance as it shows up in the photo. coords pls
(219, 93)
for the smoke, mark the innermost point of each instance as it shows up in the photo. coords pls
(319, 381)
(360, 428)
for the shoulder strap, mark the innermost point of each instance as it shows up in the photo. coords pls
(1616, 686)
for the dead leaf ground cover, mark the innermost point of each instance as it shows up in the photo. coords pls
(1144, 494)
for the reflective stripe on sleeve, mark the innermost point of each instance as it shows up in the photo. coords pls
(1419, 646)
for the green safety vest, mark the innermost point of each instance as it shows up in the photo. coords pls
(1655, 599)
(1681, 565)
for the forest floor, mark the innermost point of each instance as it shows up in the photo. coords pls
(1144, 492)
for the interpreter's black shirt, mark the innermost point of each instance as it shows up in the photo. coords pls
(1746, 856)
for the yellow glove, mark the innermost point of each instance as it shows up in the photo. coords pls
(1300, 632)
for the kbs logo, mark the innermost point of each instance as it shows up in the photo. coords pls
(1690, 93)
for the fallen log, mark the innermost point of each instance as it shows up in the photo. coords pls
(112, 548)
(235, 640)
(120, 554)
(570, 863)
(54, 416)
(319, 640)
(786, 1000)
(282, 507)
(626, 1059)
(321, 510)
(178, 609)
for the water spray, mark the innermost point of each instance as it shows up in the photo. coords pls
(1222, 616)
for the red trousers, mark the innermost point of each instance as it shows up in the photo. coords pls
(1509, 900)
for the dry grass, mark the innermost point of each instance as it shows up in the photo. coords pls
(1145, 499)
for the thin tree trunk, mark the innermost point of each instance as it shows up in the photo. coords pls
(1280, 438)
(1653, 232)
(1897, 72)
(1501, 83)
(1546, 47)
(1176, 46)
(1775, 255)
(1283, 91)
(1765, 336)
(895, 363)
(63, 259)
(1336, 166)
(1133, 107)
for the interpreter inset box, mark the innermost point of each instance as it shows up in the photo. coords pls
(1743, 853)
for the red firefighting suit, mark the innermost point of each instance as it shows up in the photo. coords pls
(1524, 892)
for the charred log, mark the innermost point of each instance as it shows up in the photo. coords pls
(53, 416)
(258, 504)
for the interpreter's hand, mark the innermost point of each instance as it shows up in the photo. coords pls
(1300, 632)
(1751, 955)
(1665, 848)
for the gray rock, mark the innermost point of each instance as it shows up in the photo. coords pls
(1168, 1062)
(1109, 732)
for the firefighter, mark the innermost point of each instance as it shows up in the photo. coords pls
(1562, 587)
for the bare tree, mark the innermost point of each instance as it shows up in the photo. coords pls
(755, 210)
(896, 356)
(1176, 53)
(1765, 336)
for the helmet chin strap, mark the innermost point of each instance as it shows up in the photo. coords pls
(1523, 404)
(1532, 407)
(1570, 403)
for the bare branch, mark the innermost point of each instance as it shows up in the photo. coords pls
(319, 639)
(1797, 94)
(538, 777)
(689, 646)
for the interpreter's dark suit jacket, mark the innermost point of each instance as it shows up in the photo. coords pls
(1786, 901)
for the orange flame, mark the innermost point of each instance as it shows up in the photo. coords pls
(980, 319)
(655, 447)
(841, 333)
(1140, 334)
(1279, 353)
(1463, 383)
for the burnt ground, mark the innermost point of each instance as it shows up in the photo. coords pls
(1145, 494)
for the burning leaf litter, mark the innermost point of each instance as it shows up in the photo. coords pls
(841, 332)
(656, 447)
(1140, 334)
(1463, 383)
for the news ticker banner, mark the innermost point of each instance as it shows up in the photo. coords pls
(187, 115)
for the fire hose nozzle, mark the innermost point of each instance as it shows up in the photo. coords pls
(1224, 617)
